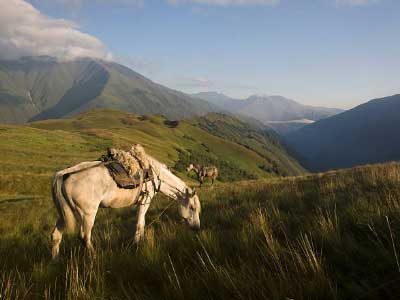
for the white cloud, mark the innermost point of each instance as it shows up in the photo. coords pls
(356, 2)
(26, 31)
(227, 2)
(76, 4)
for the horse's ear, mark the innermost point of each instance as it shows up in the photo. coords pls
(193, 192)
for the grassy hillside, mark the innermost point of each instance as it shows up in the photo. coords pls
(324, 236)
(40, 148)
(261, 141)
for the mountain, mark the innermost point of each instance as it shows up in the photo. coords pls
(278, 108)
(225, 103)
(36, 88)
(369, 133)
(270, 109)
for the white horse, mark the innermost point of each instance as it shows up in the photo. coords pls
(79, 191)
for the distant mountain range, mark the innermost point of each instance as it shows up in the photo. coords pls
(36, 88)
(42, 87)
(369, 133)
(282, 114)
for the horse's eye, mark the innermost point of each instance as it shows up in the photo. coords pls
(192, 208)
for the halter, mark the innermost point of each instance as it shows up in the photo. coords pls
(157, 187)
(157, 190)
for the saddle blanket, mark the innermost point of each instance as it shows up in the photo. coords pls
(121, 176)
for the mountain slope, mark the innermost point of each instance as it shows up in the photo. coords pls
(176, 144)
(35, 88)
(225, 103)
(29, 86)
(369, 133)
(269, 109)
(264, 143)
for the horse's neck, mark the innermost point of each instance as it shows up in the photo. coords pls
(171, 185)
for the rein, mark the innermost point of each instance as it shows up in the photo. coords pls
(162, 213)
(157, 189)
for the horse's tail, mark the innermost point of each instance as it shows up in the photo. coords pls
(64, 209)
(65, 206)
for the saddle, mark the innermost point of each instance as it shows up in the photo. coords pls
(129, 169)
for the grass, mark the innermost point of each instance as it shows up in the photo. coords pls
(120, 129)
(325, 236)
(332, 235)
(39, 149)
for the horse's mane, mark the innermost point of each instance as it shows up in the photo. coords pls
(161, 168)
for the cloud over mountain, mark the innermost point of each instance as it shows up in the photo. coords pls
(25, 31)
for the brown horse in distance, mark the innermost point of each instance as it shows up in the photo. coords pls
(204, 172)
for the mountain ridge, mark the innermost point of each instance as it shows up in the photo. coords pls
(269, 109)
(35, 88)
(368, 133)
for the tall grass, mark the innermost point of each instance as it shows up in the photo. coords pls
(333, 235)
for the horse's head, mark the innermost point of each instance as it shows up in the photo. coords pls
(190, 209)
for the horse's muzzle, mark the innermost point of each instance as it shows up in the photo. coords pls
(194, 227)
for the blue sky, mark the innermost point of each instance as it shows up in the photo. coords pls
(318, 52)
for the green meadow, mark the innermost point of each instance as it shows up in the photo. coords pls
(277, 233)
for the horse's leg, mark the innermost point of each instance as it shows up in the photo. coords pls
(199, 179)
(87, 224)
(141, 222)
(81, 235)
(56, 237)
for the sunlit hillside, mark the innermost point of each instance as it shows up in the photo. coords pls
(39, 149)
(325, 236)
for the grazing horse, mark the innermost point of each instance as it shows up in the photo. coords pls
(79, 191)
(204, 172)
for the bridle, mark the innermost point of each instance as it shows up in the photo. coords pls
(156, 186)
